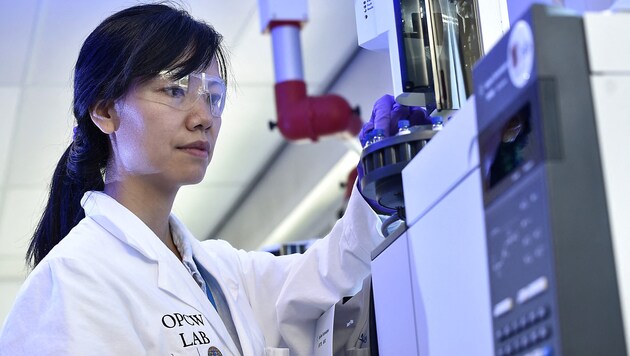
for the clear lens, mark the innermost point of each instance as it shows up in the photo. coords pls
(183, 94)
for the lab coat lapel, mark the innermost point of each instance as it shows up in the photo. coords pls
(228, 286)
(173, 281)
(248, 332)
(172, 276)
(169, 277)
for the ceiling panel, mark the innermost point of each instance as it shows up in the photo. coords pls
(42, 132)
(227, 17)
(17, 18)
(251, 55)
(63, 27)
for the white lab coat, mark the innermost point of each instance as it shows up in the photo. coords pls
(111, 287)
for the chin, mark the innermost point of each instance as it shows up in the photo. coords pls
(195, 180)
(193, 177)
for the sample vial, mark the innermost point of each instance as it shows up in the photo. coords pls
(368, 138)
(379, 134)
(403, 127)
(437, 123)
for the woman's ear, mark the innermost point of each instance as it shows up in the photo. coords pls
(105, 116)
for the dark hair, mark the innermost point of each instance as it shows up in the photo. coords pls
(133, 45)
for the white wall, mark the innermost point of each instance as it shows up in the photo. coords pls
(11, 278)
(8, 291)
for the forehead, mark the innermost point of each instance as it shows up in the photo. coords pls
(211, 70)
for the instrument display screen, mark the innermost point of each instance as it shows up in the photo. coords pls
(508, 148)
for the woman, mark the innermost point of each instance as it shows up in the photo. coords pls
(114, 272)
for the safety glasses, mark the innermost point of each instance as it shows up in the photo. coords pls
(183, 94)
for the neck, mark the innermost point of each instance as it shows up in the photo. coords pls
(149, 203)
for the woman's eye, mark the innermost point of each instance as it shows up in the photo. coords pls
(211, 99)
(214, 99)
(174, 91)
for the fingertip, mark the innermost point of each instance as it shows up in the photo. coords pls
(385, 99)
(419, 116)
(400, 111)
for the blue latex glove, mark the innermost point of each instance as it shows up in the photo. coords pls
(386, 114)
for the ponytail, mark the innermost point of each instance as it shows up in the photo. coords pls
(80, 169)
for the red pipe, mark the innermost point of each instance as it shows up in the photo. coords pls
(301, 116)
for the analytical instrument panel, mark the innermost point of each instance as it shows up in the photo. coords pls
(553, 283)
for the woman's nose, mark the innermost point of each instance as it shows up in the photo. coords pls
(200, 115)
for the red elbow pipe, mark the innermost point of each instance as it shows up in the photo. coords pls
(301, 116)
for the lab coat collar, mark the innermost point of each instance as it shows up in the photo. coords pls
(121, 223)
(172, 276)
(203, 257)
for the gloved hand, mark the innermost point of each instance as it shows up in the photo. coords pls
(386, 114)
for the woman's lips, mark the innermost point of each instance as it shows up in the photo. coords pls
(197, 148)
